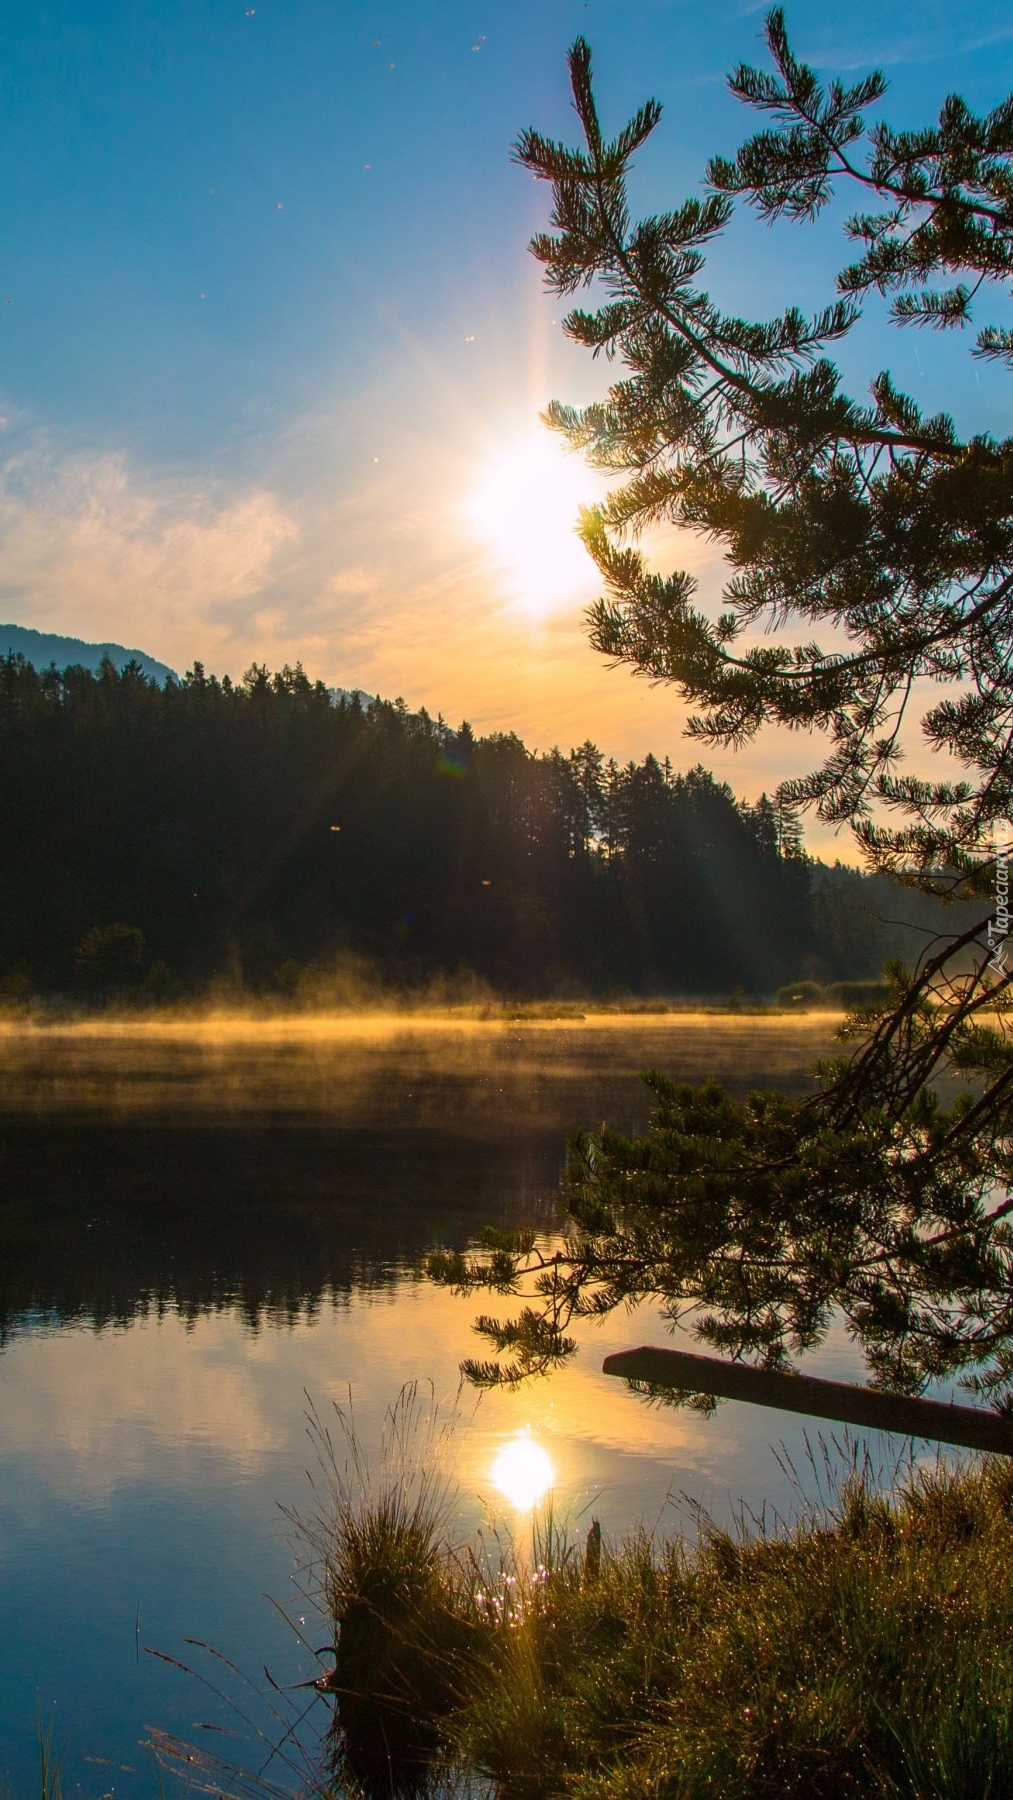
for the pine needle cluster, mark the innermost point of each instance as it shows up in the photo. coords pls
(884, 1198)
(857, 518)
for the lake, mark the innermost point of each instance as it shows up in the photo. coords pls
(205, 1227)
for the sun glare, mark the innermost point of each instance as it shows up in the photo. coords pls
(523, 509)
(523, 1472)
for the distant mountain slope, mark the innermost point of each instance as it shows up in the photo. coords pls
(43, 647)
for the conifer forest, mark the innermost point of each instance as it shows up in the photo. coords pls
(156, 838)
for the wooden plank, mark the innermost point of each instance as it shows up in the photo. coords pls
(970, 1426)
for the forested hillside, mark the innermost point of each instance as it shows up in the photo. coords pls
(152, 838)
(46, 647)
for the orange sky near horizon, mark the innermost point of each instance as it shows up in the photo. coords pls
(274, 351)
(447, 572)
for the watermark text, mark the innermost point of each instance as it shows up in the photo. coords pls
(998, 927)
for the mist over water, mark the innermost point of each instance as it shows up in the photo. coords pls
(387, 1068)
(202, 1223)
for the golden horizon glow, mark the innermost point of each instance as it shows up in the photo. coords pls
(524, 509)
(523, 1472)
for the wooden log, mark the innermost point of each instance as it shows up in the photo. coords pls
(970, 1426)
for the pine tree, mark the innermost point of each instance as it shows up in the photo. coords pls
(862, 518)
(890, 535)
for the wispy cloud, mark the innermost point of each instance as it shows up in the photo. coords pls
(874, 45)
(1001, 35)
(372, 582)
(92, 546)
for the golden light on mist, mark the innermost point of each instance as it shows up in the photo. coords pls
(523, 509)
(523, 1472)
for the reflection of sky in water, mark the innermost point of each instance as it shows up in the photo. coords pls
(144, 1467)
(144, 1462)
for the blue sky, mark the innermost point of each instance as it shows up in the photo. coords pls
(268, 323)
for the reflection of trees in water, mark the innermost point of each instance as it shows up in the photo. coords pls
(104, 1223)
(273, 1173)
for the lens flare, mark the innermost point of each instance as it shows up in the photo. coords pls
(523, 1472)
(523, 509)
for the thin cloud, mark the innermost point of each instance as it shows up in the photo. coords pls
(1001, 35)
(92, 547)
(380, 589)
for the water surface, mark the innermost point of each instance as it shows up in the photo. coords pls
(200, 1227)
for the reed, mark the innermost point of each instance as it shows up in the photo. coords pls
(868, 1651)
(410, 1641)
(864, 1652)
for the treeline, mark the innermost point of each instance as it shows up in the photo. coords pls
(153, 838)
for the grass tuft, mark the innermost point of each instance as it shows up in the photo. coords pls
(410, 1637)
(865, 1652)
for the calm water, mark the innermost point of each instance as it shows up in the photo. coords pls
(199, 1228)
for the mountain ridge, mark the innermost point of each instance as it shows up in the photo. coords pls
(42, 648)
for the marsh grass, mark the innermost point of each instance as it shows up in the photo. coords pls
(867, 1651)
(50, 1767)
(50, 1762)
(410, 1642)
(864, 1650)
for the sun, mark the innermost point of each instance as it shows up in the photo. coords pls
(523, 1471)
(523, 510)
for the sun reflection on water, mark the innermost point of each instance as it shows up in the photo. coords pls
(523, 1471)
